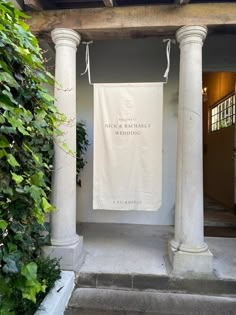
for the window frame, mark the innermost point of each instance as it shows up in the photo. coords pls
(222, 113)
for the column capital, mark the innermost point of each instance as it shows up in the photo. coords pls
(191, 34)
(65, 37)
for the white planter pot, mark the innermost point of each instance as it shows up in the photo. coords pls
(56, 300)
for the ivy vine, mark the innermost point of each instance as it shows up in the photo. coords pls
(82, 143)
(28, 123)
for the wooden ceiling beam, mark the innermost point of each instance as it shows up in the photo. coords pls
(134, 21)
(75, 1)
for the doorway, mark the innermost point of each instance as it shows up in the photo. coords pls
(218, 153)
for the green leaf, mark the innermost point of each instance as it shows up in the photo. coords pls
(3, 225)
(39, 214)
(6, 77)
(17, 228)
(32, 286)
(17, 178)
(23, 131)
(36, 158)
(12, 161)
(8, 303)
(47, 207)
(4, 286)
(10, 266)
(9, 95)
(4, 143)
(4, 66)
(12, 247)
(35, 192)
(17, 123)
(2, 153)
(5, 311)
(41, 113)
(31, 292)
(2, 119)
(48, 97)
(14, 121)
(29, 271)
(5, 103)
(37, 179)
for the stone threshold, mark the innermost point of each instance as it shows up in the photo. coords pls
(56, 300)
(90, 301)
(141, 282)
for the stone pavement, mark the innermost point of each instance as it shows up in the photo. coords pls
(142, 249)
(126, 272)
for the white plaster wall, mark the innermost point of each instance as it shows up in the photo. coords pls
(129, 61)
(141, 60)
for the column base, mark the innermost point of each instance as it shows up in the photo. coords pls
(190, 264)
(71, 256)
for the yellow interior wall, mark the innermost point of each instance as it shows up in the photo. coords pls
(218, 145)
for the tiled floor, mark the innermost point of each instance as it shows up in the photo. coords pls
(218, 221)
(217, 215)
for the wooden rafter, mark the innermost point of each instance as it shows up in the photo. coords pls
(133, 22)
(108, 3)
(182, 1)
(34, 4)
(18, 4)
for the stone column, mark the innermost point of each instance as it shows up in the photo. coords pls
(66, 244)
(188, 252)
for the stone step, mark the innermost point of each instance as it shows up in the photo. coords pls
(90, 301)
(141, 282)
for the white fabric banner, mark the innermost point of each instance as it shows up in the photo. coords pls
(127, 146)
